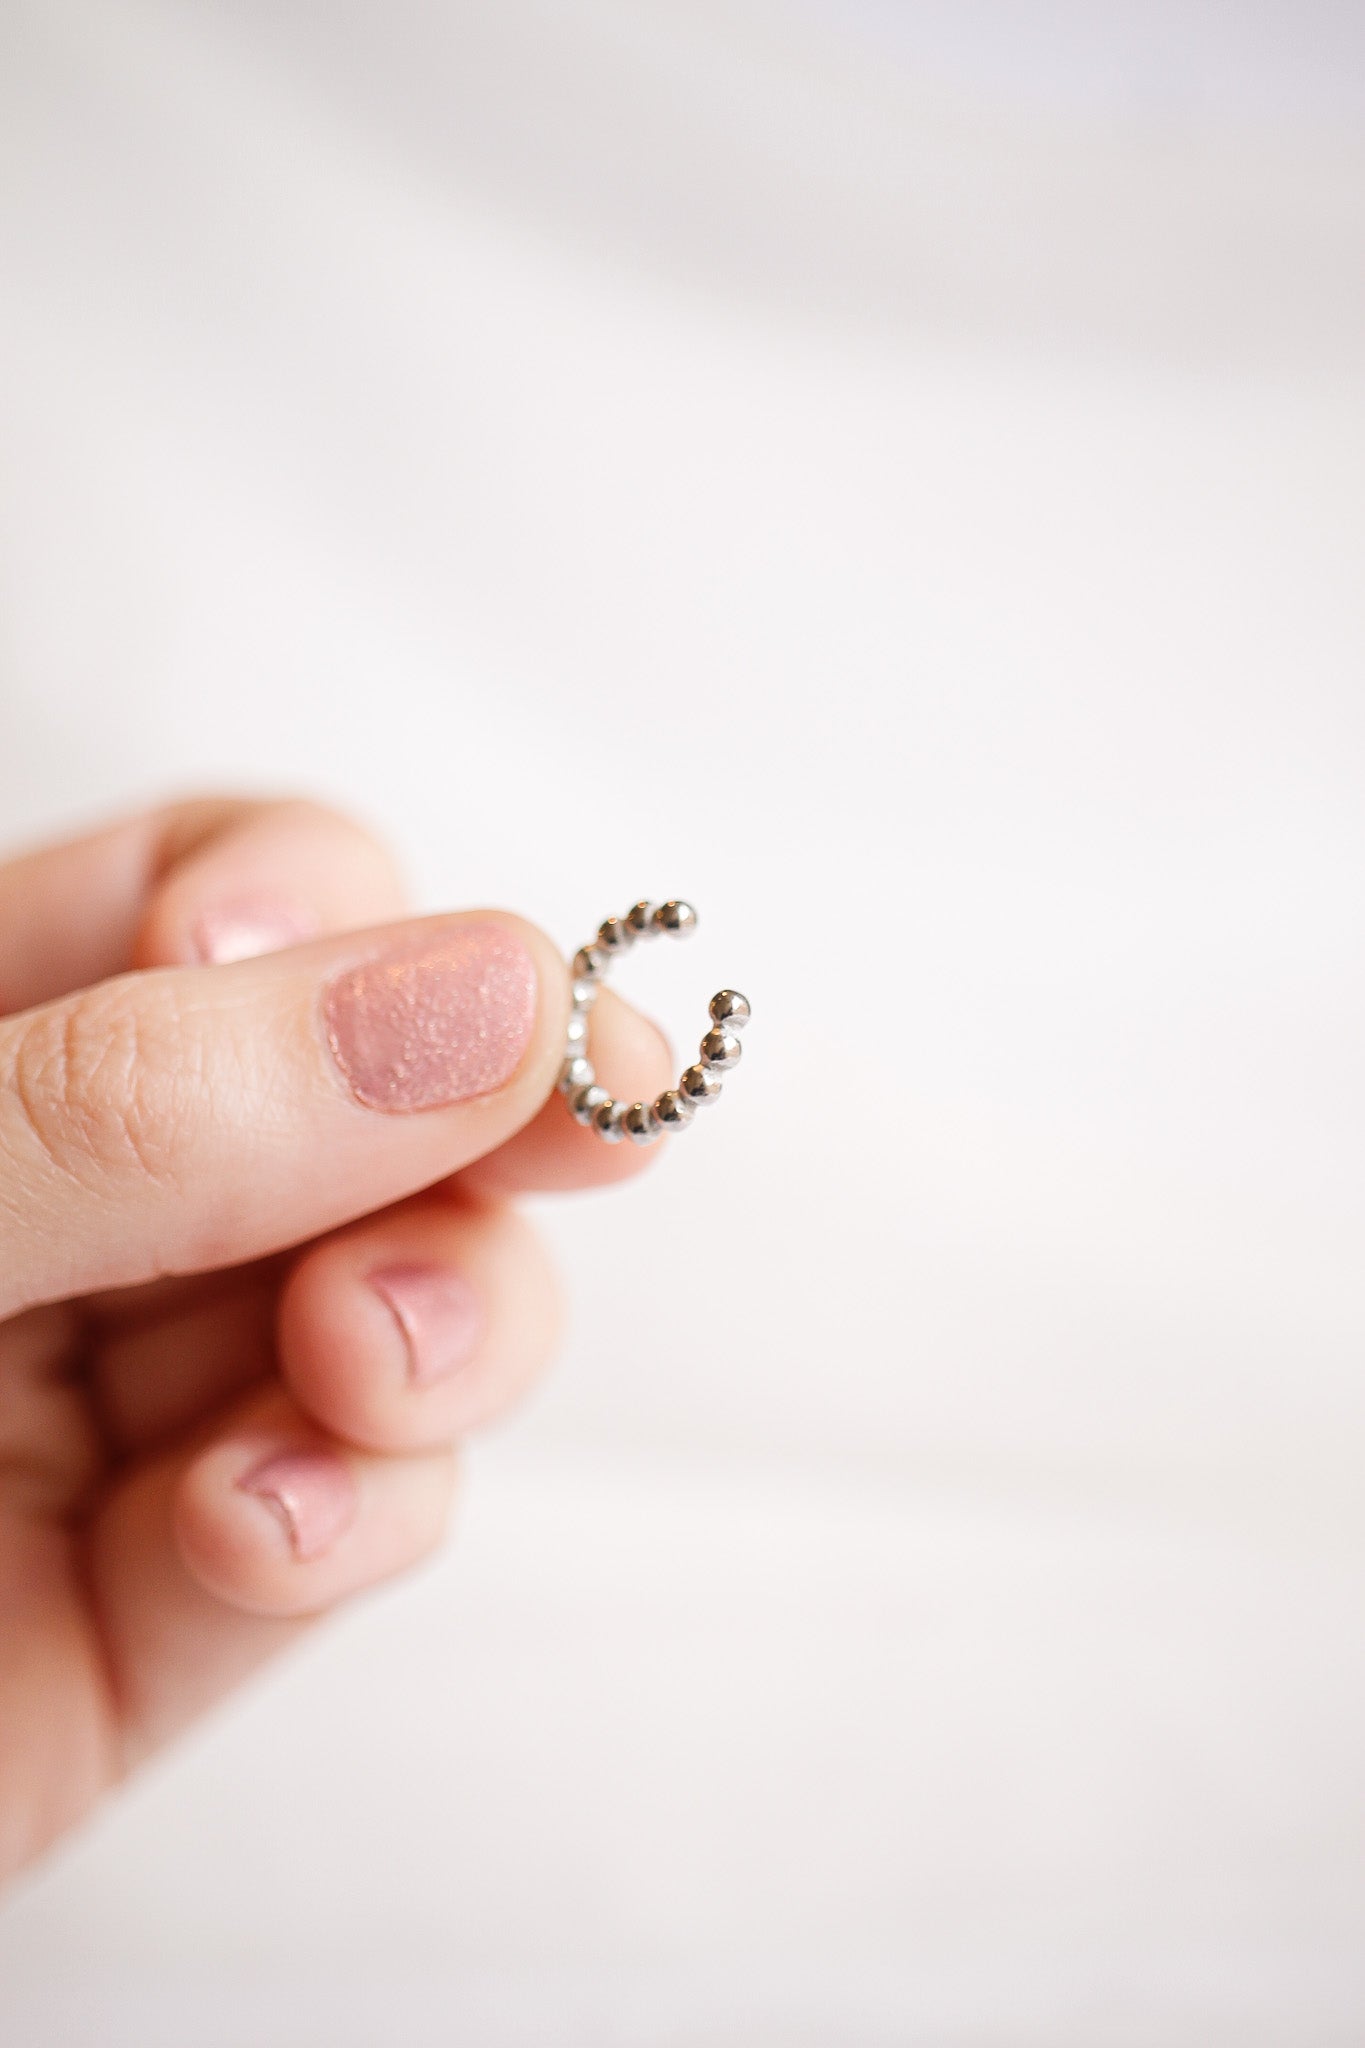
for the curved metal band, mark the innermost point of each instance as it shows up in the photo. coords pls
(644, 1122)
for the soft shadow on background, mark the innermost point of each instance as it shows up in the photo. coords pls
(893, 474)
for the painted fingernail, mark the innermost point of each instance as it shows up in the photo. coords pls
(438, 1313)
(247, 927)
(312, 1495)
(434, 1020)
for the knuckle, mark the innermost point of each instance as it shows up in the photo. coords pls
(309, 810)
(315, 815)
(215, 815)
(95, 1081)
(369, 846)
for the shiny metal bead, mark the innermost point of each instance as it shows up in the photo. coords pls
(576, 1072)
(730, 1009)
(614, 935)
(700, 1086)
(576, 1030)
(640, 918)
(584, 1101)
(585, 994)
(640, 1124)
(588, 963)
(721, 1050)
(673, 1111)
(606, 1121)
(678, 919)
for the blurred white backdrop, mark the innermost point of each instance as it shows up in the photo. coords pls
(893, 474)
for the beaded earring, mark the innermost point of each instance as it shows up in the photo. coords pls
(643, 1122)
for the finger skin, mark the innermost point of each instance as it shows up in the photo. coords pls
(143, 1121)
(281, 873)
(146, 891)
(240, 1549)
(154, 1379)
(194, 1580)
(416, 1326)
(61, 1748)
(553, 1154)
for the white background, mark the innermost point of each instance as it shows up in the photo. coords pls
(894, 475)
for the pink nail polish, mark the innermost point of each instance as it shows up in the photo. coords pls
(438, 1312)
(247, 927)
(437, 1019)
(311, 1493)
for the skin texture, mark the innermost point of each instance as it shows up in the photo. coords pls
(247, 1308)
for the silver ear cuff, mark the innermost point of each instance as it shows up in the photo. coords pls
(643, 1122)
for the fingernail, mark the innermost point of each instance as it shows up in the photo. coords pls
(438, 1313)
(247, 927)
(312, 1495)
(434, 1020)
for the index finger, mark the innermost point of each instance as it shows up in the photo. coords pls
(209, 879)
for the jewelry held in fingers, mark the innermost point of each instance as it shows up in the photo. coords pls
(642, 1123)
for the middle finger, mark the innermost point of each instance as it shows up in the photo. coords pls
(396, 1333)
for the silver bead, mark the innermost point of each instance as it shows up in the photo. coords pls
(730, 1009)
(576, 1030)
(640, 1124)
(679, 920)
(700, 1085)
(606, 1121)
(576, 1072)
(721, 1050)
(640, 918)
(585, 995)
(673, 1110)
(588, 963)
(613, 935)
(584, 1101)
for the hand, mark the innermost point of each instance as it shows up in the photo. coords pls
(257, 1265)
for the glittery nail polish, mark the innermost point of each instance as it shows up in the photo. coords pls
(437, 1019)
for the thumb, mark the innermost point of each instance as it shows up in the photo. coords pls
(190, 1118)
